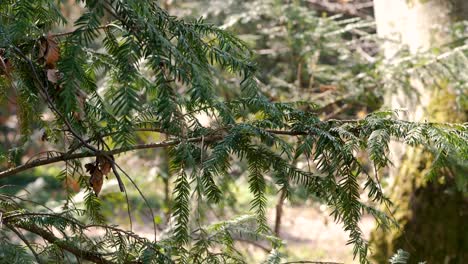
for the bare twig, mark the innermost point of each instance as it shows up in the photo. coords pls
(144, 199)
(129, 211)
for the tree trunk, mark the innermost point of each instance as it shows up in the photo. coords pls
(433, 215)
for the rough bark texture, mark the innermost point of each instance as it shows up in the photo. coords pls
(433, 215)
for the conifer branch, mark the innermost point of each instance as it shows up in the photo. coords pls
(157, 67)
(92, 256)
(26, 242)
(65, 157)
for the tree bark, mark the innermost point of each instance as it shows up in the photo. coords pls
(432, 215)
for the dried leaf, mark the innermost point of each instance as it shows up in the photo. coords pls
(106, 167)
(96, 179)
(104, 164)
(5, 67)
(52, 75)
(49, 51)
(53, 51)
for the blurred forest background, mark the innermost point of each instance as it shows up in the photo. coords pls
(345, 59)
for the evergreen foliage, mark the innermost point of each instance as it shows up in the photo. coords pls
(401, 257)
(130, 67)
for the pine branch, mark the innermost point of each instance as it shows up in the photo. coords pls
(92, 256)
(207, 139)
(157, 67)
(26, 242)
(66, 157)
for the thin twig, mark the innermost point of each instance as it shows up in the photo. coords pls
(129, 210)
(144, 199)
(26, 242)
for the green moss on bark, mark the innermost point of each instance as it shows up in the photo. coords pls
(433, 216)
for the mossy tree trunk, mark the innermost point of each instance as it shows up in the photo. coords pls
(433, 214)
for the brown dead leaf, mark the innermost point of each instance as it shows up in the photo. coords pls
(49, 51)
(96, 179)
(106, 168)
(52, 75)
(104, 164)
(53, 51)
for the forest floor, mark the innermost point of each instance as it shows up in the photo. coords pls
(308, 233)
(311, 234)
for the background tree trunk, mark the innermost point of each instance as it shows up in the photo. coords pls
(433, 215)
